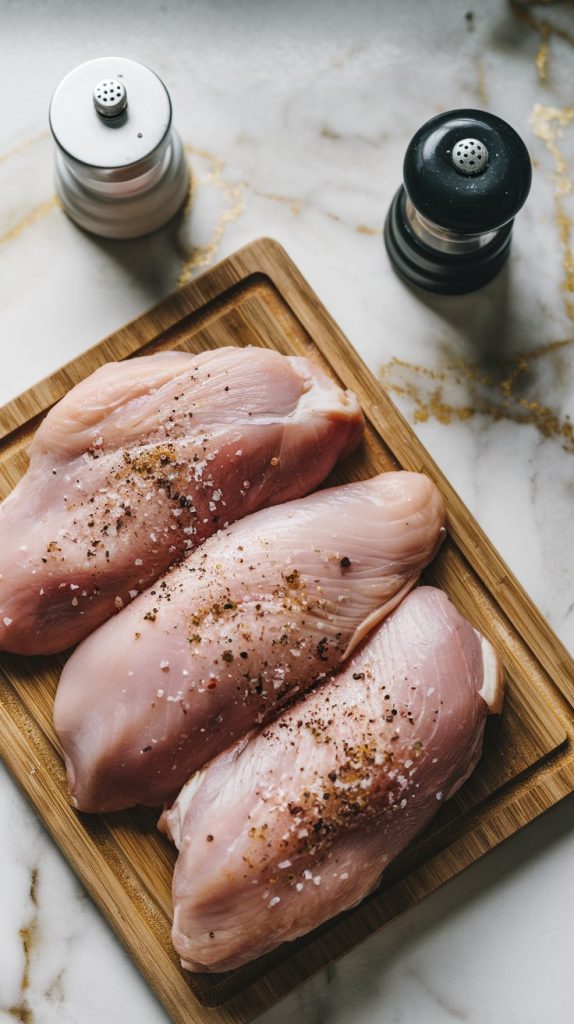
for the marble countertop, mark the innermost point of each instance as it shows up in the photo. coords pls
(295, 118)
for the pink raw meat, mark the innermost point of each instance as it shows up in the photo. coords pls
(254, 615)
(140, 463)
(296, 823)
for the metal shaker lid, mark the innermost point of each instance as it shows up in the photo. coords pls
(120, 166)
(110, 97)
(110, 113)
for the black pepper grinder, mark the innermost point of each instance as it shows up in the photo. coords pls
(449, 227)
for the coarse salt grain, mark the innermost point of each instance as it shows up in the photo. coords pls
(138, 561)
(7, 621)
(284, 864)
(133, 593)
(164, 665)
(273, 902)
(299, 887)
(344, 876)
(439, 795)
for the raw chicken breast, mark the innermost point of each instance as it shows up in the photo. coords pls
(296, 823)
(140, 463)
(259, 612)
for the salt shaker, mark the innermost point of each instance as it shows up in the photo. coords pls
(120, 167)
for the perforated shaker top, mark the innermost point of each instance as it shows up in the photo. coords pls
(110, 113)
(110, 97)
(469, 156)
(461, 190)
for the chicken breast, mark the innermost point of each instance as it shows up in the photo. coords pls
(296, 823)
(140, 463)
(256, 614)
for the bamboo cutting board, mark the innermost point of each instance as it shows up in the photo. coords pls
(257, 297)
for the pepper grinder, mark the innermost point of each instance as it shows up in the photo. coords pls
(449, 227)
(120, 166)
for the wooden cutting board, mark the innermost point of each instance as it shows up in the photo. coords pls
(257, 297)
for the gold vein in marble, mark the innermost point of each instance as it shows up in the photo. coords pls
(549, 125)
(297, 203)
(541, 60)
(495, 394)
(36, 214)
(481, 84)
(20, 147)
(545, 30)
(233, 194)
(200, 256)
(55, 990)
(21, 1011)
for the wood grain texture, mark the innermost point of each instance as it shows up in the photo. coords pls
(257, 297)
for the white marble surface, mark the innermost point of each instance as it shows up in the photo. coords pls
(296, 116)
